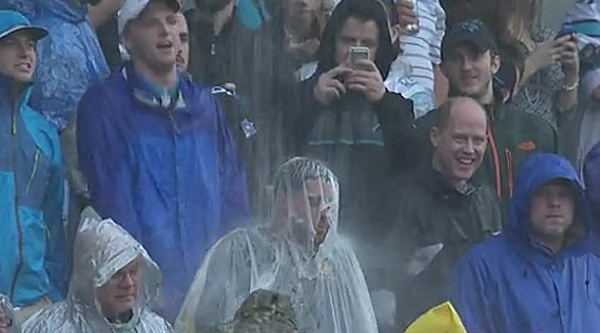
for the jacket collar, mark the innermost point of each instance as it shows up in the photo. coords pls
(143, 94)
(437, 184)
(6, 92)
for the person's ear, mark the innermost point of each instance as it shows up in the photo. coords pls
(395, 32)
(435, 136)
(443, 69)
(495, 63)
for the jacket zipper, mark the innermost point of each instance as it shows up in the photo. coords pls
(175, 138)
(16, 205)
(36, 160)
(509, 169)
(495, 159)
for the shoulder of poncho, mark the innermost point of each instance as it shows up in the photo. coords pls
(54, 319)
(238, 237)
(236, 241)
(155, 323)
(342, 248)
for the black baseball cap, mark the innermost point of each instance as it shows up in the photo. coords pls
(473, 32)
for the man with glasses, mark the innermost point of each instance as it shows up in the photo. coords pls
(113, 285)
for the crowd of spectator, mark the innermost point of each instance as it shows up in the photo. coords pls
(322, 166)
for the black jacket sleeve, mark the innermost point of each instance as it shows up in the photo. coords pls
(395, 115)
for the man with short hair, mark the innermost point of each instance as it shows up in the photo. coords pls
(439, 212)
(470, 60)
(113, 286)
(347, 113)
(183, 34)
(539, 275)
(298, 253)
(34, 264)
(157, 152)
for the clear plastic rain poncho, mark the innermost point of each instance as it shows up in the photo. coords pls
(298, 253)
(7, 313)
(102, 248)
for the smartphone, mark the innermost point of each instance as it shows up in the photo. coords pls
(358, 52)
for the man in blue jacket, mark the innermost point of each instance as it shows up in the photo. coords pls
(591, 175)
(34, 264)
(156, 151)
(540, 275)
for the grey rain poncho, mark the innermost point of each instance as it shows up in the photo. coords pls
(289, 256)
(102, 248)
(6, 310)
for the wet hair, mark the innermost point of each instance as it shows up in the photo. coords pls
(441, 118)
(363, 10)
(294, 173)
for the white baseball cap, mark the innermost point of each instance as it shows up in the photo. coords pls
(132, 8)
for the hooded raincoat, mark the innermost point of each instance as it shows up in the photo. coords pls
(591, 173)
(512, 283)
(167, 171)
(34, 258)
(102, 248)
(323, 280)
(71, 40)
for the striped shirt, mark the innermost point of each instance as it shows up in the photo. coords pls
(422, 51)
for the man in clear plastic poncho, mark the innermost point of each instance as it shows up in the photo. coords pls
(114, 282)
(7, 322)
(298, 254)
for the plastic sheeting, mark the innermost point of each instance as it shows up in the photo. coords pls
(102, 248)
(7, 311)
(69, 59)
(298, 253)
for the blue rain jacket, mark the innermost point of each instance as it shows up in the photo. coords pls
(33, 255)
(512, 283)
(167, 172)
(69, 59)
(591, 173)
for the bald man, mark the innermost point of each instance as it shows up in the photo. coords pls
(440, 212)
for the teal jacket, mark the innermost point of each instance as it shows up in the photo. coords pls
(33, 256)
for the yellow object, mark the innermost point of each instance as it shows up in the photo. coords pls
(440, 319)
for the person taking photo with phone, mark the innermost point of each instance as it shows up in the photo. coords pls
(346, 113)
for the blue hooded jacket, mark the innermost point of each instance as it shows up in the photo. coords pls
(512, 283)
(70, 59)
(168, 172)
(591, 172)
(34, 261)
